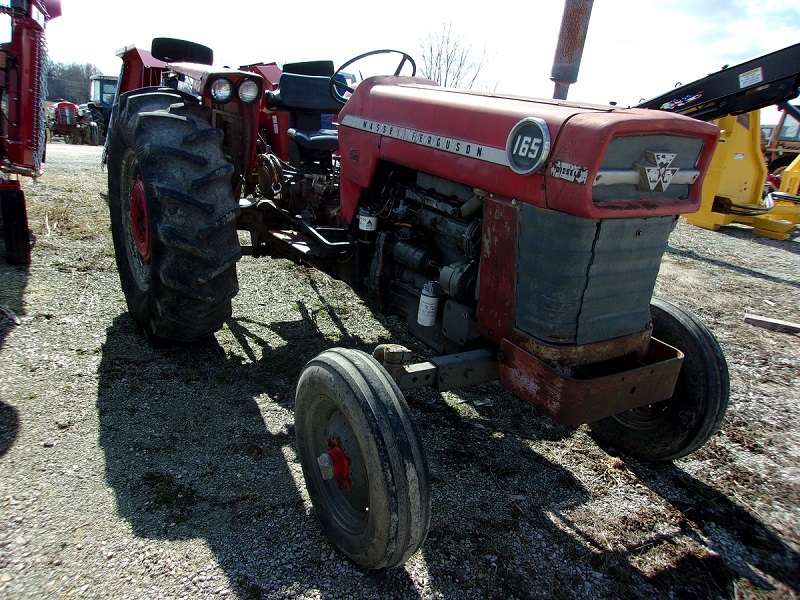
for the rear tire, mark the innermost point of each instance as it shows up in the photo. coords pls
(675, 427)
(173, 215)
(97, 117)
(15, 227)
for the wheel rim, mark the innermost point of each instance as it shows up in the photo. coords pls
(346, 494)
(648, 417)
(140, 219)
(136, 222)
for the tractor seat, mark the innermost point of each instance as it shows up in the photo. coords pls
(321, 139)
(303, 92)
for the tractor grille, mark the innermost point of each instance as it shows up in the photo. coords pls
(620, 178)
(586, 280)
(67, 116)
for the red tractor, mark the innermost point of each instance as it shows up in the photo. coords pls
(73, 124)
(22, 126)
(519, 239)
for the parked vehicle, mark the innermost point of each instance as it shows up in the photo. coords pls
(520, 239)
(72, 123)
(783, 145)
(102, 92)
(745, 170)
(22, 126)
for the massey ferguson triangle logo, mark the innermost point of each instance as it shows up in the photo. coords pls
(656, 173)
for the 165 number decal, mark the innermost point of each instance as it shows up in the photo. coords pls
(528, 146)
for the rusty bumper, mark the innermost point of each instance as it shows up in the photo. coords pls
(586, 395)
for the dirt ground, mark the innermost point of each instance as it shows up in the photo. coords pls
(133, 471)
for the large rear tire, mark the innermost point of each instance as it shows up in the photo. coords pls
(173, 215)
(373, 502)
(675, 427)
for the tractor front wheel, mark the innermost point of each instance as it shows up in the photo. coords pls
(679, 425)
(362, 459)
(173, 215)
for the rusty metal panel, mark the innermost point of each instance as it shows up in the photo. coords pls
(498, 269)
(568, 357)
(574, 400)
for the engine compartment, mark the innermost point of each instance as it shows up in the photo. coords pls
(479, 218)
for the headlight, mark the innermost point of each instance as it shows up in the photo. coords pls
(249, 91)
(221, 90)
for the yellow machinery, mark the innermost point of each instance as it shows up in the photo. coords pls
(790, 182)
(733, 191)
(734, 186)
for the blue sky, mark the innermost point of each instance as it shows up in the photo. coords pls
(634, 49)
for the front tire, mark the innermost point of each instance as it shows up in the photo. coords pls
(675, 427)
(348, 411)
(173, 215)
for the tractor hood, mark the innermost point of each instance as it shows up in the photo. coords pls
(587, 160)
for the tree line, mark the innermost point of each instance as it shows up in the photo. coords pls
(70, 81)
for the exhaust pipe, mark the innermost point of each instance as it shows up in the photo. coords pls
(569, 50)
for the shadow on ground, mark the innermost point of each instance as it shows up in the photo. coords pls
(14, 280)
(199, 443)
(737, 541)
(189, 453)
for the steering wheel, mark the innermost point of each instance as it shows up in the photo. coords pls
(337, 87)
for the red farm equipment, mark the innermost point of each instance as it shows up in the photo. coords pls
(73, 124)
(64, 120)
(519, 239)
(22, 127)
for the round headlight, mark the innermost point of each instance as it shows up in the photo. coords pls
(248, 91)
(221, 90)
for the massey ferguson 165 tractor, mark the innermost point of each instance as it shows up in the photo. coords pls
(73, 124)
(520, 239)
(22, 122)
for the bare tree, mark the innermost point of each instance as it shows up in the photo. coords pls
(70, 81)
(448, 60)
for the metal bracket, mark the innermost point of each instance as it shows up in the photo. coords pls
(443, 372)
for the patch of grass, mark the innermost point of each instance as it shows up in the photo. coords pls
(224, 377)
(503, 471)
(164, 492)
(161, 488)
(188, 374)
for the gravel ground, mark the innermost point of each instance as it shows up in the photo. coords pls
(133, 471)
